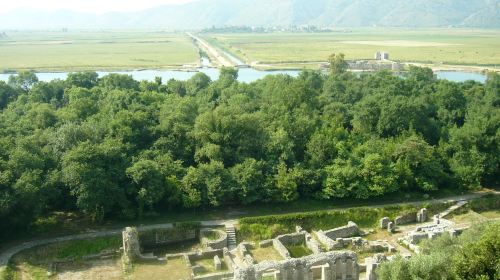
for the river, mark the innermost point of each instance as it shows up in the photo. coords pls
(244, 75)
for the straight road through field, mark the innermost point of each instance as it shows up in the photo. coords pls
(212, 51)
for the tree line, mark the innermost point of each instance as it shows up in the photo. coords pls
(117, 147)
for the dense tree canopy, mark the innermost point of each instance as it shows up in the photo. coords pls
(115, 147)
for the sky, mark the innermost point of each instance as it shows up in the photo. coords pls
(89, 6)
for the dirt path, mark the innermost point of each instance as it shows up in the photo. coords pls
(6, 255)
(212, 51)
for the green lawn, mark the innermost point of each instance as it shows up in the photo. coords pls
(449, 46)
(70, 51)
(299, 251)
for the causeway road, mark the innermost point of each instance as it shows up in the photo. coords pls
(213, 52)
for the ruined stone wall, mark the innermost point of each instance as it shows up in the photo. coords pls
(281, 241)
(312, 244)
(351, 229)
(329, 243)
(155, 237)
(406, 218)
(333, 265)
(215, 276)
(281, 249)
(219, 243)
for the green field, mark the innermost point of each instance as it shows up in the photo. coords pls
(68, 51)
(447, 46)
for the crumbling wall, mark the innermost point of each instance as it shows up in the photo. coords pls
(165, 236)
(351, 229)
(219, 243)
(334, 265)
(372, 264)
(406, 219)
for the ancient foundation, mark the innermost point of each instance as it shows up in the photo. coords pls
(326, 266)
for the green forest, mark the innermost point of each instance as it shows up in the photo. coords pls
(114, 147)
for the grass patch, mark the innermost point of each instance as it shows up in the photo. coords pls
(74, 250)
(81, 248)
(495, 214)
(79, 50)
(485, 203)
(263, 254)
(266, 227)
(299, 251)
(463, 47)
(208, 266)
(175, 269)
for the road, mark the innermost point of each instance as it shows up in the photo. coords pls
(212, 51)
(6, 255)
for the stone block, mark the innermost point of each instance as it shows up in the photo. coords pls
(266, 243)
(384, 222)
(391, 227)
(422, 215)
(217, 263)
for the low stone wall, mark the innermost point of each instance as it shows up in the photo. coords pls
(312, 244)
(166, 236)
(329, 237)
(281, 249)
(200, 255)
(243, 251)
(219, 243)
(231, 265)
(351, 229)
(299, 238)
(406, 219)
(215, 276)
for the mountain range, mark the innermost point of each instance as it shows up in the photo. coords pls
(271, 13)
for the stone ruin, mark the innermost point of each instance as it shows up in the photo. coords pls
(300, 237)
(329, 237)
(325, 266)
(372, 264)
(438, 227)
(240, 264)
(219, 243)
(131, 246)
(412, 217)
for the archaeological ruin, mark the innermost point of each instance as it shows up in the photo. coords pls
(301, 255)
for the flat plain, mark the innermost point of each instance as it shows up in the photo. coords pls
(436, 46)
(95, 50)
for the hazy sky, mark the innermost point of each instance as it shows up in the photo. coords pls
(93, 6)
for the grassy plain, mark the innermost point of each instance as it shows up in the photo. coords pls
(446, 46)
(92, 50)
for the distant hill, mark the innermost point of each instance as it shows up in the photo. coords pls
(266, 13)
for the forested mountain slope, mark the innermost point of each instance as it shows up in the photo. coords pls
(339, 13)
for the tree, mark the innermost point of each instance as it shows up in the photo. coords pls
(86, 79)
(286, 184)
(338, 65)
(149, 181)
(249, 181)
(479, 260)
(119, 81)
(96, 177)
(7, 95)
(24, 80)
